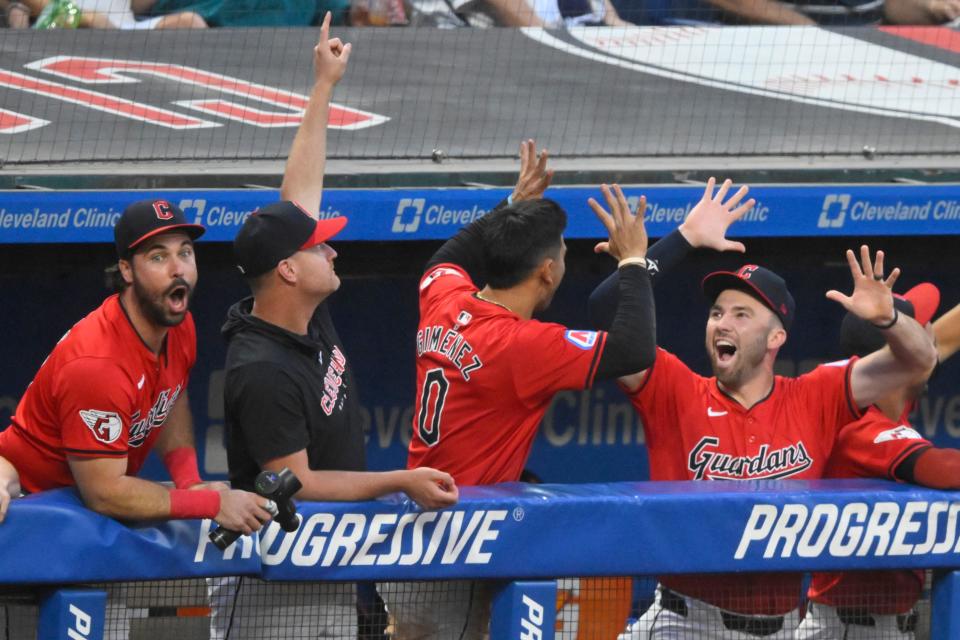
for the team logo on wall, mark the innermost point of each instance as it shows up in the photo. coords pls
(229, 99)
(808, 66)
(106, 426)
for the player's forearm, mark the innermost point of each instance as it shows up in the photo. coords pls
(662, 257)
(631, 342)
(346, 486)
(910, 346)
(464, 249)
(947, 332)
(177, 431)
(935, 468)
(127, 498)
(303, 175)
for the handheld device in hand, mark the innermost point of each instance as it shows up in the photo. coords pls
(277, 487)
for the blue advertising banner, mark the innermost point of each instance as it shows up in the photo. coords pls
(72, 614)
(429, 214)
(51, 537)
(513, 530)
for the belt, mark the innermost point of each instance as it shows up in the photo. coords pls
(751, 625)
(906, 622)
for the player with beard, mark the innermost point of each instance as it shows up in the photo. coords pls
(746, 423)
(115, 387)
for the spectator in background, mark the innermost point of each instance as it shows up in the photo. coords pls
(667, 12)
(257, 13)
(122, 14)
(15, 15)
(513, 13)
(839, 12)
(9, 485)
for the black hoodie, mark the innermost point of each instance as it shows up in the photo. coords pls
(285, 392)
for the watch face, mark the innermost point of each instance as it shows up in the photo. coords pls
(267, 482)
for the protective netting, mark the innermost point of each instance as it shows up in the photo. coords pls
(871, 605)
(236, 94)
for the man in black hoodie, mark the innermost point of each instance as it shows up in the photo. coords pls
(290, 398)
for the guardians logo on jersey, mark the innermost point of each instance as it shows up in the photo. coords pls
(707, 462)
(140, 427)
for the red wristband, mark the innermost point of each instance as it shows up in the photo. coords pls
(182, 465)
(185, 504)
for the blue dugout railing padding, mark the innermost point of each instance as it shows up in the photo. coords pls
(517, 531)
(511, 530)
(429, 214)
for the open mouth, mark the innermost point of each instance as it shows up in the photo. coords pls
(726, 350)
(177, 298)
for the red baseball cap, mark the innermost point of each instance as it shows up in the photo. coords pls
(925, 298)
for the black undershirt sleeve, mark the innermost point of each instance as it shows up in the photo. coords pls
(631, 343)
(904, 470)
(465, 249)
(661, 257)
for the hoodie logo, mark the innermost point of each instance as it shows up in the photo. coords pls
(333, 381)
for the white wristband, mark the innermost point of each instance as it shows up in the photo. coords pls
(638, 261)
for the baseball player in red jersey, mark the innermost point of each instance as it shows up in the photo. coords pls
(486, 371)
(746, 423)
(868, 604)
(115, 386)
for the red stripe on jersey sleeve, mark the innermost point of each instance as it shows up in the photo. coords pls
(95, 453)
(922, 444)
(848, 390)
(595, 363)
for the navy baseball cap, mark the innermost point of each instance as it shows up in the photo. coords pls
(759, 282)
(276, 232)
(147, 218)
(858, 337)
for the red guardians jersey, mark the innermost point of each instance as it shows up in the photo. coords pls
(871, 447)
(100, 393)
(695, 431)
(485, 377)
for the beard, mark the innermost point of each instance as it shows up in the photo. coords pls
(749, 356)
(153, 306)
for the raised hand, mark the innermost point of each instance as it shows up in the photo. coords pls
(534, 176)
(707, 223)
(330, 56)
(872, 297)
(431, 489)
(628, 236)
